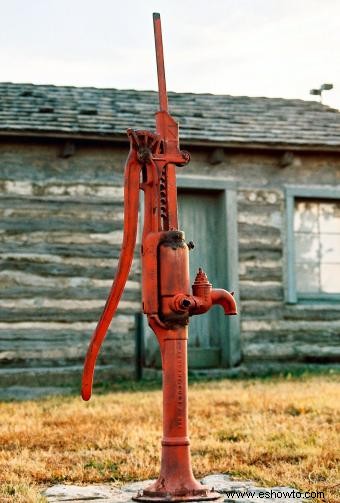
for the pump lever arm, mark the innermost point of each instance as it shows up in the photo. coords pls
(131, 203)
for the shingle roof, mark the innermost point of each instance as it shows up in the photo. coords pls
(203, 118)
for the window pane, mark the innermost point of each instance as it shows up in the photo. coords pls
(307, 277)
(317, 246)
(330, 247)
(330, 278)
(307, 247)
(306, 216)
(330, 217)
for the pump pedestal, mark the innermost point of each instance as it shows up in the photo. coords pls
(176, 481)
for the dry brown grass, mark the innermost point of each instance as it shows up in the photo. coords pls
(278, 432)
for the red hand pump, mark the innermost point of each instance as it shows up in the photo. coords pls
(167, 300)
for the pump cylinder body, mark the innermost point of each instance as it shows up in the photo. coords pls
(173, 275)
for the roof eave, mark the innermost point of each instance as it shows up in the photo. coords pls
(195, 142)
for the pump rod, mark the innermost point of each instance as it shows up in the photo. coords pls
(163, 99)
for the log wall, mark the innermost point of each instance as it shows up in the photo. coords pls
(60, 236)
(271, 329)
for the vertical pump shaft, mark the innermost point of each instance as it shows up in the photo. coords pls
(163, 98)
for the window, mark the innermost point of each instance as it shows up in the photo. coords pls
(313, 239)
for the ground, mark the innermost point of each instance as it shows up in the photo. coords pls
(279, 431)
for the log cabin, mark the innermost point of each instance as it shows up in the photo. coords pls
(260, 199)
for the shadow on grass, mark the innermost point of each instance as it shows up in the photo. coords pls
(245, 374)
(298, 373)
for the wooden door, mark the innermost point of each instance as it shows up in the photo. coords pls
(202, 217)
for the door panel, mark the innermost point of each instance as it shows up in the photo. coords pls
(201, 216)
(214, 339)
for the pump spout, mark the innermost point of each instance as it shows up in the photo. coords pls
(224, 299)
(203, 298)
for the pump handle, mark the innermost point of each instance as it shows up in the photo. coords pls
(131, 204)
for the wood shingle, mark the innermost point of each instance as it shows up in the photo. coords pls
(203, 118)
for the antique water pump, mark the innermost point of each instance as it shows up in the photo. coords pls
(167, 300)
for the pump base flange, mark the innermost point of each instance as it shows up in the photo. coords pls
(209, 496)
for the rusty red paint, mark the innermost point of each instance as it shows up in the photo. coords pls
(167, 300)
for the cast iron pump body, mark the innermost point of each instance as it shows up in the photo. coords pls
(167, 300)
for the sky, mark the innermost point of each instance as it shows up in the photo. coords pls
(274, 48)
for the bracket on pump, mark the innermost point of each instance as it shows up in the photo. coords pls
(167, 300)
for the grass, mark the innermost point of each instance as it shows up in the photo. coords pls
(281, 431)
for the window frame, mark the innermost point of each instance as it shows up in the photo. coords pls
(292, 193)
